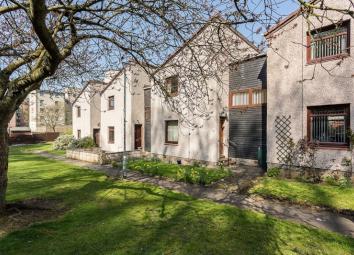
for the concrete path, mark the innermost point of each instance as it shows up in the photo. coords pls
(312, 216)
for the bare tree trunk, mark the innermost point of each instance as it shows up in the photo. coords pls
(4, 153)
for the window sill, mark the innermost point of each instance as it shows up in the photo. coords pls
(173, 144)
(340, 148)
(327, 59)
(248, 106)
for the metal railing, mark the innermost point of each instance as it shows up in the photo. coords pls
(328, 46)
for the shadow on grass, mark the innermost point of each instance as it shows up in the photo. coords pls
(118, 217)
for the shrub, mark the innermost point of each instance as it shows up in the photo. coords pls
(331, 180)
(83, 143)
(155, 159)
(86, 142)
(344, 182)
(114, 164)
(63, 142)
(273, 172)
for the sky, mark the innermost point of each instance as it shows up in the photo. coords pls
(281, 10)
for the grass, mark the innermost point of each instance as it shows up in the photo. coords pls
(335, 197)
(121, 217)
(47, 147)
(190, 174)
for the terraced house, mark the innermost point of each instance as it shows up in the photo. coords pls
(311, 88)
(87, 111)
(194, 116)
(124, 85)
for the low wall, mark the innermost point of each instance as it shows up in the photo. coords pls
(95, 155)
(92, 155)
(183, 161)
(108, 157)
(294, 172)
(30, 138)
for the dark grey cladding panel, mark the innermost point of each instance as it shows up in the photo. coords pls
(248, 74)
(247, 129)
(247, 132)
(147, 129)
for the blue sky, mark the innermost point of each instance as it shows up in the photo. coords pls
(281, 10)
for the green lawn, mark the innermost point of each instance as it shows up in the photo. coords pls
(306, 193)
(47, 147)
(185, 173)
(119, 217)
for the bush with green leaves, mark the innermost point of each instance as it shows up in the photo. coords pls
(83, 143)
(273, 172)
(63, 142)
(330, 180)
(115, 164)
(185, 173)
(86, 142)
(342, 182)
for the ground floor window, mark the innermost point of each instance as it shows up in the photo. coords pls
(78, 134)
(329, 125)
(110, 134)
(171, 131)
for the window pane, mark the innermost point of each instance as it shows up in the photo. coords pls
(259, 96)
(111, 102)
(329, 125)
(171, 84)
(240, 98)
(172, 131)
(111, 134)
(329, 43)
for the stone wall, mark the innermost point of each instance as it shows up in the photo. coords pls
(295, 172)
(93, 156)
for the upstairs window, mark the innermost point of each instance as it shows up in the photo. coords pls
(78, 111)
(241, 99)
(329, 125)
(328, 42)
(248, 98)
(171, 84)
(111, 103)
(171, 131)
(259, 96)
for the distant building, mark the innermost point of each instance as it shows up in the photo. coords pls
(21, 116)
(39, 103)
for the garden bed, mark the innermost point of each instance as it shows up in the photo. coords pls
(185, 173)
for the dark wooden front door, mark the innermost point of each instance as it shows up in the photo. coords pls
(137, 136)
(221, 137)
(96, 136)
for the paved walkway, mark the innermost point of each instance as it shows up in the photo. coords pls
(312, 216)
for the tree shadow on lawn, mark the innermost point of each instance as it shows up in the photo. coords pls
(137, 227)
(130, 218)
(122, 217)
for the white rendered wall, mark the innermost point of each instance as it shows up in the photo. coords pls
(287, 95)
